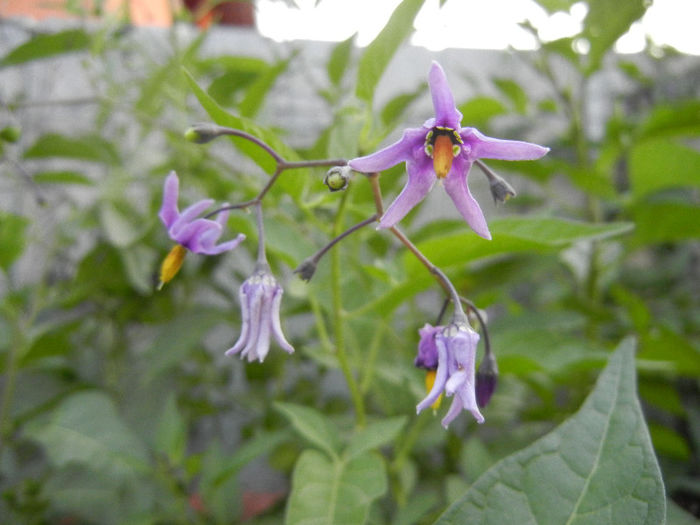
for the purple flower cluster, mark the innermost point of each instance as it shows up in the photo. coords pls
(451, 350)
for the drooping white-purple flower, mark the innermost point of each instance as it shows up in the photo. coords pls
(260, 297)
(454, 349)
(198, 235)
(443, 150)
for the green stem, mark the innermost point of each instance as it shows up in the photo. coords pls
(338, 320)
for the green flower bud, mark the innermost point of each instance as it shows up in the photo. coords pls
(10, 133)
(202, 133)
(337, 178)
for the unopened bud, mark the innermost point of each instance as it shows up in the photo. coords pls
(10, 133)
(306, 269)
(337, 178)
(486, 380)
(202, 133)
(501, 190)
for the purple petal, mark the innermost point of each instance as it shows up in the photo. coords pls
(190, 234)
(453, 412)
(275, 319)
(168, 210)
(456, 187)
(455, 382)
(263, 343)
(483, 147)
(440, 379)
(250, 350)
(421, 178)
(468, 398)
(400, 151)
(446, 114)
(245, 330)
(224, 246)
(189, 215)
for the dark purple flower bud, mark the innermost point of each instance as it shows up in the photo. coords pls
(260, 297)
(427, 350)
(306, 269)
(486, 380)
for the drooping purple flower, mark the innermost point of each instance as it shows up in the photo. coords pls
(197, 235)
(455, 346)
(260, 297)
(427, 349)
(443, 150)
(190, 233)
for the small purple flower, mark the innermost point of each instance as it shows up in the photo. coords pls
(443, 150)
(455, 346)
(260, 298)
(197, 235)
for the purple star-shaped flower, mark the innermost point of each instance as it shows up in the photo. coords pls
(444, 150)
(197, 235)
(454, 349)
(260, 297)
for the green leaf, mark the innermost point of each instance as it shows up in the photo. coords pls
(379, 53)
(257, 154)
(660, 222)
(88, 147)
(255, 94)
(87, 429)
(606, 21)
(44, 46)
(598, 467)
(661, 163)
(479, 110)
(374, 436)
(670, 352)
(338, 61)
(312, 425)
(119, 225)
(171, 432)
(514, 92)
(12, 230)
(62, 177)
(335, 491)
(395, 108)
(672, 120)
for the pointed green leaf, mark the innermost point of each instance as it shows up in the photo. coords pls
(338, 61)
(334, 492)
(44, 46)
(662, 163)
(374, 436)
(379, 53)
(87, 429)
(606, 21)
(255, 94)
(12, 228)
(598, 467)
(312, 425)
(171, 433)
(479, 110)
(88, 147)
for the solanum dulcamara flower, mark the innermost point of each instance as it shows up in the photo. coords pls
(198, 235)
(442, 150)
(450, 351)
(260, 297)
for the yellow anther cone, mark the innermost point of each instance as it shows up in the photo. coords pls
(171, 264)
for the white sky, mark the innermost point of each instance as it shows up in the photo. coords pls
(477, 24)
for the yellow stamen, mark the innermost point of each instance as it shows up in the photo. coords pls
(171, 264)
(442, 156)
(429, 382)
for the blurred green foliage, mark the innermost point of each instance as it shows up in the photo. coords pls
(118, 406)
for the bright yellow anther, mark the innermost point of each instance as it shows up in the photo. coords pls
(171, 264)
(442, 156)
(429, 382)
